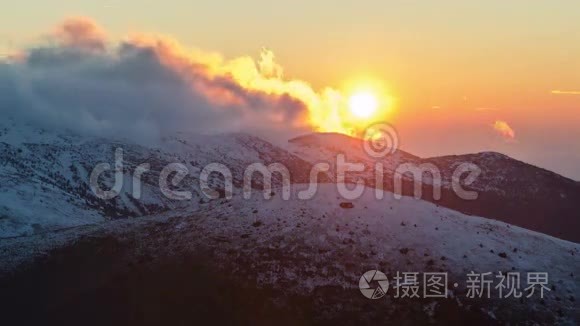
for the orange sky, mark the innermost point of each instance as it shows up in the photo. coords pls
(453, 67)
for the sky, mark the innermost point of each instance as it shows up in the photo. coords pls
(459, 76)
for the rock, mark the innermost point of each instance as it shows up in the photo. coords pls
(346, 205)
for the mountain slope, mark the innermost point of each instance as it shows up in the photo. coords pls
(44, 176)
(520, 194)
(508, 190)
(298, 259)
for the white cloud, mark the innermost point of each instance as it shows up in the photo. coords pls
(133, 89)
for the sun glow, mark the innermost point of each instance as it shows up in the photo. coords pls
(367, 101)
(363, 104)
(348, 109)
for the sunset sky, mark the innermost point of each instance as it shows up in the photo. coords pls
(458, 76)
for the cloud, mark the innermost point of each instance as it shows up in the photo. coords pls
(559, 92)
(146, 87)
(504, 130)
(81, 33)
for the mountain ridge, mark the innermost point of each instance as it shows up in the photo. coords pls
(509, 190)
(53, 168)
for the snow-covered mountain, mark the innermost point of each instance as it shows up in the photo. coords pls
(44, 178)
(44, 175)
(304, 254)
(519, 193)
(297, 260)
(508, 190)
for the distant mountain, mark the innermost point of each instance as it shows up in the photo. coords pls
(519, 193)
(509, 190)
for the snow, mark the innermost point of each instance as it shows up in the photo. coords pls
(305, 243)
(44, 175)
(437, 229)
(308, 244)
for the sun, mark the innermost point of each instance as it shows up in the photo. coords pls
(363, 104)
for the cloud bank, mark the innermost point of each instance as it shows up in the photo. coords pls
(146, 87)
(559, 92)
(504, 130)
